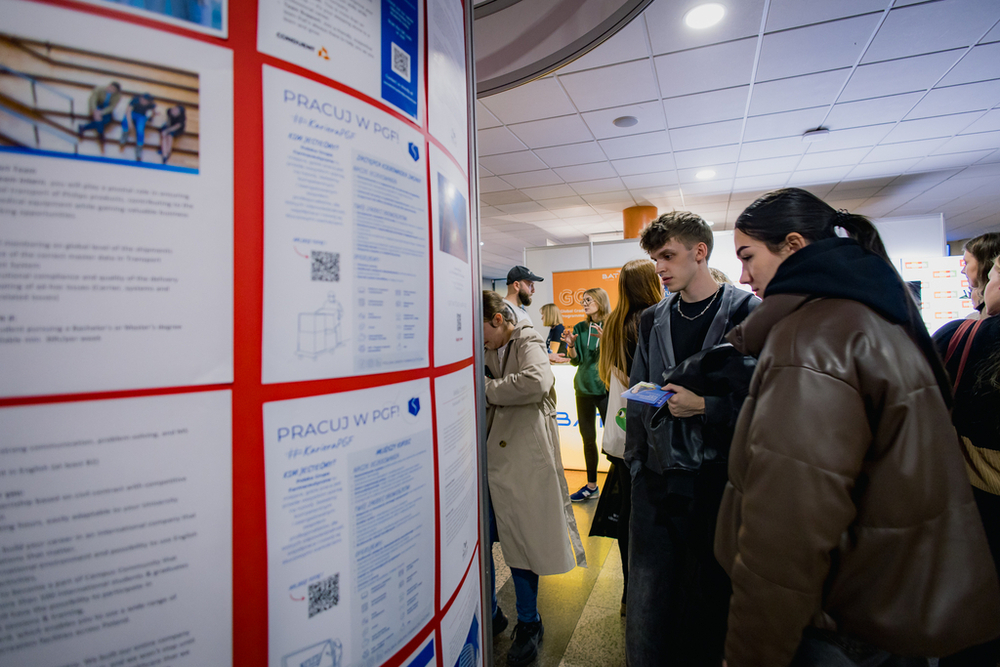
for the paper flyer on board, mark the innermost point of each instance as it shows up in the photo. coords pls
(116, 532)
(453, 292)
(346, 265)
(375, 46)
(461, 628)
(459, 475)
(447, 99)
(116, 210)
(350, 523)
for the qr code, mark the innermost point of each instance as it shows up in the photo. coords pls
(459, 322)
(324, 594)
(326, 266)
(400, 62)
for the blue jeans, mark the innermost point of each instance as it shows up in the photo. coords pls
(98, 125)
(817, 650)
(139, 120)
(525, 582)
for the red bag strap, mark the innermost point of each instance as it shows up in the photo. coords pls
(956, 339)
(965, 354)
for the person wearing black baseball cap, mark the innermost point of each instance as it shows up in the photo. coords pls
(520, 286)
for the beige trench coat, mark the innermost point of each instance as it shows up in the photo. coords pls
(527, 485)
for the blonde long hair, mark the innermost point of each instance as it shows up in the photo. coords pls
(551, 315)
(600, 297)
(638, 288)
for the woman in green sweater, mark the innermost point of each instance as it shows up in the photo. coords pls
(591, 394)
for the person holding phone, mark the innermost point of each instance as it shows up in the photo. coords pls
(583, 348)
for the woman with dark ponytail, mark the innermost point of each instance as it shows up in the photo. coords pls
(847, 527)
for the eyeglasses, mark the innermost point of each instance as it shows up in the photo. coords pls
(586, 301)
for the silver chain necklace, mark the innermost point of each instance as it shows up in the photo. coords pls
(692, 319)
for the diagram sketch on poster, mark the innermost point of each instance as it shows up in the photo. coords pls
(323, 654)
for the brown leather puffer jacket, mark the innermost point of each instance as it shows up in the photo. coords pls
(848, 506)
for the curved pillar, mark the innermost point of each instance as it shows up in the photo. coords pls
(635, 218)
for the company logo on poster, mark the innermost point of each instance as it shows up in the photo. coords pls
(568, 288)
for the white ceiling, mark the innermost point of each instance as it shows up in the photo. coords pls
(909, 90)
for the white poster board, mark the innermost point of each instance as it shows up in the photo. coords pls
(375, 47)
(350, 523)
(116, 269)
(116, 532)
(346, 266)
(447, 98)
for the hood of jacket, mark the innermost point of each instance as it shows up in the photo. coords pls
(839, 268)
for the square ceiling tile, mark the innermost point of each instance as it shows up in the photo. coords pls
(894, 77)
(931, 26)
(644, 164)
(783, 125)
(549, 191)
(815, 48)
(564, 156)
(598, 186)
(636, 145)
(575, 212)
(541, 216)
(857, 137)
(909, 149)
(706, 107)
(930, 128)
(614, 85)
(830, 175)
(971, 142)
(768, 182)
(658, 179)
(759, 150)
(956, 99)
(485, 119)
(558, 203)
(979, 64)
(842, 158)
(774, 165)
(521, 207)
(783, 14)
(506, 197)
(530, 179)
(707, 68)
(610, 201)
(706, 136)
(667, 31)
(509, 163)
(587, 172)
(493, 184)
(707, 187)
(542, 98)
(888, 168)
(871, 112)
(987, 122)
(706, 157)
(650, 117)
(800, 92)
(629, 43)
(552, 132)
(497, 140)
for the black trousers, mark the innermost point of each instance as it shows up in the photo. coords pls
(624, 479)
(586, 406)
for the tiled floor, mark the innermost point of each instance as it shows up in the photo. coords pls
(581, 610)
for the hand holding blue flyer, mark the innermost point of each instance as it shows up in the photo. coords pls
(649, 393)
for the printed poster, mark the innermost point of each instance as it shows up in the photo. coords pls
(116, 207)
(459, 475)
(350, 524)
(462, 628)
(116, 532)
(453, 284)
(373, 46)
(447, 86)
(346, 267)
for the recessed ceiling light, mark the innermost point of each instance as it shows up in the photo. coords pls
(704, 16)
(710, 223)
(625, 121)
(482, 243)
(705, 174)
(819, 134)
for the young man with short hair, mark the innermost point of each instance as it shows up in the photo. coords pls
(678, 594)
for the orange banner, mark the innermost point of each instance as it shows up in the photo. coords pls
(568, 288)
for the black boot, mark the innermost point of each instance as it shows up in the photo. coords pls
(500, 622)
(524, 649)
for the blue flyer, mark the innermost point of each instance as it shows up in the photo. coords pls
(399, 54)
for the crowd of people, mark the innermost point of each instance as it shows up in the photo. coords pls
(821, 488)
